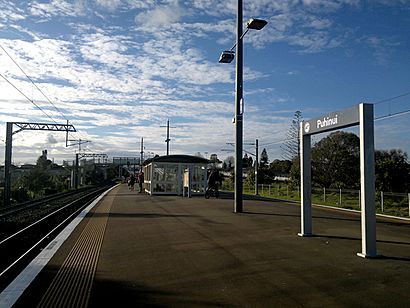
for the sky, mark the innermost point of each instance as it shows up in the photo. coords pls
(119, 69)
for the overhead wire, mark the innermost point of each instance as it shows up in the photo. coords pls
(31, 80)
(392, 98)
(30, 100)
(393, 115)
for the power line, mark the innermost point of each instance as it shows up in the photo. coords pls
(393, 115)
(274, 142)
(28, 77)
(30, 100)
(392, 98)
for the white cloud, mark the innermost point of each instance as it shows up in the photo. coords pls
(51, 139)
(382, 48)
(393, 2)
(9, 13)
(111, 5)
(160, 16)
(329, 4)
(56, 7)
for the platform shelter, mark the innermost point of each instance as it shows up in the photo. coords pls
(165, 174)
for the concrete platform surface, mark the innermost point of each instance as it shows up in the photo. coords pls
(174, 251)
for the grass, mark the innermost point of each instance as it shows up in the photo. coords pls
(349, 199)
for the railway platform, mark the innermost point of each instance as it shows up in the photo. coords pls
(135, 250)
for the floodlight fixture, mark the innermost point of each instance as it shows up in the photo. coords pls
(227, 56)
(256, 24)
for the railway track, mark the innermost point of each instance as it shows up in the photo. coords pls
(26, 230)
(12, 210)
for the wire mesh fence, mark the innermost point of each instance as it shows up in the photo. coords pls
(396, 204)
(389, 203)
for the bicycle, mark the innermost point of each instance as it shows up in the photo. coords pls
(211, 192)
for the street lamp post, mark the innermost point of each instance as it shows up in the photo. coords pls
(227, 57)
(238, 204)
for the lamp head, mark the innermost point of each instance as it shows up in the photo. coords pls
(227, 56)
(256, 24)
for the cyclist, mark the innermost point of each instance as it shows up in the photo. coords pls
(214, 181)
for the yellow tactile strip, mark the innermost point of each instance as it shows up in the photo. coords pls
(71, 286)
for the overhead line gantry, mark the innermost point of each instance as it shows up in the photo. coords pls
(9, 141)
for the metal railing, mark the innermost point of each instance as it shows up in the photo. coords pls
(389, 203)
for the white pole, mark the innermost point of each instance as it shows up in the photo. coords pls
(360, 199)
(306, 182)
(340, 196)
(367, 182)
(408, 196)
(324, 194)
(382, 201)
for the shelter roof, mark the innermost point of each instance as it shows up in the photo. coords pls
(187, 159)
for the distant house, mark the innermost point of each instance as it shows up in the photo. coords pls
(59, 170)
(27, 167)
(164, 174)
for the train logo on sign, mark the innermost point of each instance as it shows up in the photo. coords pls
(307, 127)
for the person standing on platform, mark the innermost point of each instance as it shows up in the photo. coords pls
(141, 180)
(131, 182)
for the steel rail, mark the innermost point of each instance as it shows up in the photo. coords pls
(23, 255)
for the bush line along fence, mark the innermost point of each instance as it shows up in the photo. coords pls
(389, 203)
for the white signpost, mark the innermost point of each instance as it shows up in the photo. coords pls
(362, 115)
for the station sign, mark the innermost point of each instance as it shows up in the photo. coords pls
(331, 121)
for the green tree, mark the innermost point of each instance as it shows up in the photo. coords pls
(35, 181)
(280, 167)
(295, 173)
(264, 160)
(392, 171)
(230, 162)
(42, 162)
(38, 181)
(250, 162)
(336, 161)
(112, 172)
(246, 161)
(291, 145)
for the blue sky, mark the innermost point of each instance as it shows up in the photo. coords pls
(118, 69)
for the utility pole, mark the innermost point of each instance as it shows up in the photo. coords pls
(76, 168)
(256, 166)
(78, 142)
(7, 164)
(142, 152)
(167, 140)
